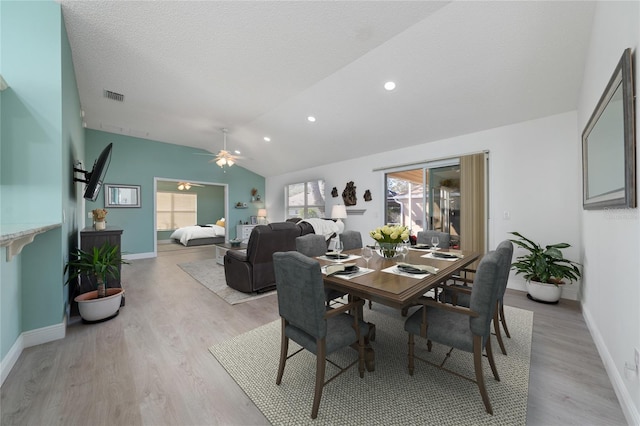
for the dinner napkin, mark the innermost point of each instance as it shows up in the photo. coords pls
(337, 267)
(453, 253)
(427, 268)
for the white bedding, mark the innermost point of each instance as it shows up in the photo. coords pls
(192, 232)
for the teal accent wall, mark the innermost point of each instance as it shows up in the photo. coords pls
(210, 203)
(31, 112)
(72, 150)
(136, 161)
(41, 133)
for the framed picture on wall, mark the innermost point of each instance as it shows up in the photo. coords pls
(254, 220)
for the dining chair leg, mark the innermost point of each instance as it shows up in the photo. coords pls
(477, 364)
(284, 348)
(492, 363)
(410, 355)
(503, 320)
(496, 327)
(320, 368)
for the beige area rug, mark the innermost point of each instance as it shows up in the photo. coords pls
(211, 275)
(387, 396)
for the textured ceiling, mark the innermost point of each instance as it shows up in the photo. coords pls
(188, 69)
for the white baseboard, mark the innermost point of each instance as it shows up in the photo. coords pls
(629, 408)
(28, 339)
(135, 256)
(10, 359)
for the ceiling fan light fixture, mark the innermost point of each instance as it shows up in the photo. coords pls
(224, 157)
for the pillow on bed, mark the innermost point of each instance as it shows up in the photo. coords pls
(220, 222)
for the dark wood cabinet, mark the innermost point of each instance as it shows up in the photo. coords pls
(90, 238)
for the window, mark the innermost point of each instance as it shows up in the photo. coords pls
(176, 210)
(305, 199)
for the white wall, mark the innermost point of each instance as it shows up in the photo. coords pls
(534, 174)
(611, 292)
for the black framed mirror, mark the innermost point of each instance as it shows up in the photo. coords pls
(608, 144)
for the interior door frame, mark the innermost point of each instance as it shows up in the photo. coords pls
(156, 179)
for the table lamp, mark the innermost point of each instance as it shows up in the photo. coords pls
(262, 216)
(339, 212)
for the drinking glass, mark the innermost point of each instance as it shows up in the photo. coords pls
(367, 253)
(434, 242)
(403, 249)
(338, 248)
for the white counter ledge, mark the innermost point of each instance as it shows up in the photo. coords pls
(15, 236)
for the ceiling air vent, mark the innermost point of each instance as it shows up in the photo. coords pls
(113, 95)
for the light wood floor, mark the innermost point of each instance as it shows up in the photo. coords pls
(151, 366)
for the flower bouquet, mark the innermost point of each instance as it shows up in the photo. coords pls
(389, 237)
(98, 218)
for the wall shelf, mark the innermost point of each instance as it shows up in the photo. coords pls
(241, 207)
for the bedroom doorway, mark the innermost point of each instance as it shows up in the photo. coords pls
(181, 203)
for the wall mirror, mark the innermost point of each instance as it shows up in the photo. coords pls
(121, 195)
(608, 144)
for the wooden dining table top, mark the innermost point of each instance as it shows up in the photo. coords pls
(397, 291)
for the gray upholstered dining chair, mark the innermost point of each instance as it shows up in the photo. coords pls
(466, 329)
(313, 245)
(459, 294)
(307, 321)
(351, 240)
(424, 237)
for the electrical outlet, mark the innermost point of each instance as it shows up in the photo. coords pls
(90, 215)
(506, 215)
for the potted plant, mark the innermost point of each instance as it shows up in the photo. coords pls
(545, 269)
(97, 266)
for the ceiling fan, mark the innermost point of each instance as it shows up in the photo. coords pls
(185, 186)
(224, 157)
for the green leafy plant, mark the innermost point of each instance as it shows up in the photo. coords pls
(97, 264)
(544, 265)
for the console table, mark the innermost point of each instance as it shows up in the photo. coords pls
(221, 250)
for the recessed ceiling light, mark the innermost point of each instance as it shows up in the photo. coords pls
(267, 139)
(389, 85)
(237, 152)
(311, 118)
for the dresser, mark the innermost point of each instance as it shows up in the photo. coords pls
(243, 232)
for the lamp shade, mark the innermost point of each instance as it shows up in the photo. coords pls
(262, 212)
(339, 212)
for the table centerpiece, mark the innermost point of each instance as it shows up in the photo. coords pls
(388, 237)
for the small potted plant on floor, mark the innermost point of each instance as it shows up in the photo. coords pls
(545, 269)
(96, 267)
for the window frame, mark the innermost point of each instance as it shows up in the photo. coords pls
(305, 208)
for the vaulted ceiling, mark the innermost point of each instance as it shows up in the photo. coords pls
(187, 69)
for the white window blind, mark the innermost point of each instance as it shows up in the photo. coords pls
(175, 210)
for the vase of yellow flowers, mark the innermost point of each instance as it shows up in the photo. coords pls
(99, 216)
(388, 238)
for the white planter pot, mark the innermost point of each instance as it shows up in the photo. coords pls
(93, 308)
(544, 292)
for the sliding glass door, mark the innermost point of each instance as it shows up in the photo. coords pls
(429, 197)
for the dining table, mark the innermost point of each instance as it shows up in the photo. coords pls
(381, 281)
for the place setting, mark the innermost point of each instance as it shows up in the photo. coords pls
(411, 270)
(451, 256)
(345, 270)
(336, 255)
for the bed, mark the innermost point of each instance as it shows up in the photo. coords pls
(199, 235)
